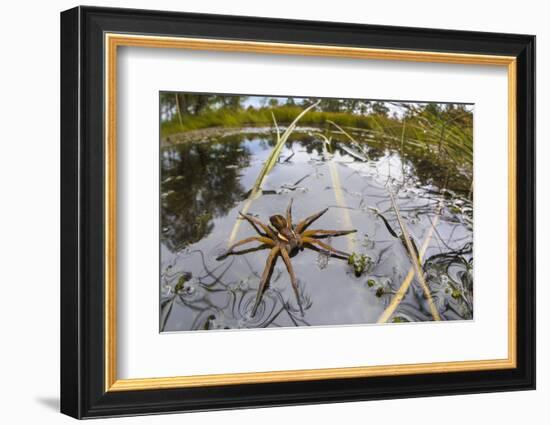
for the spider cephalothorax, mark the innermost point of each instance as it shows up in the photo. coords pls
(285, 240)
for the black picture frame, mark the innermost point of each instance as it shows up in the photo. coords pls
(83, 392)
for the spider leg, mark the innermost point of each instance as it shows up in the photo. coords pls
(290, 269)
(319, 234)
(246, 251)
(305, 223)
(254, 226)
(269, 264)
(325, 246)
(264, 240)
(329, 253)
(255, 223)
(289, 214)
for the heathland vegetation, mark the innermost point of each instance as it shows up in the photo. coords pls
(442, 130)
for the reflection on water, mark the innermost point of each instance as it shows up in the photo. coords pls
(204, 185)
(200, 181)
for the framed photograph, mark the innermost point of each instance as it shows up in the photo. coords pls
(261, 212)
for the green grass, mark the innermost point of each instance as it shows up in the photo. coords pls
(262, 117)
(438, 136)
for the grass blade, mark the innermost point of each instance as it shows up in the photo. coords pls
(274, 156)
(356, 155)
(415, 260)
(400, 294)
(268, 166)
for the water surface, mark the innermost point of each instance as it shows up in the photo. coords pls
(205, 183)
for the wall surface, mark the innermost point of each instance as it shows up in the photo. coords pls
(29, 213)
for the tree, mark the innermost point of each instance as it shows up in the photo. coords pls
(380, 108)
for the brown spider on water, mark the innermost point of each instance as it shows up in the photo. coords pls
(286, 240)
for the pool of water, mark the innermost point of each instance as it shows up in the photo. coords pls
(206, 182)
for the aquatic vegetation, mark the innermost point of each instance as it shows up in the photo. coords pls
(181, 283)
(284, 239)
(359, 263)
(449, 275)
(380, 286)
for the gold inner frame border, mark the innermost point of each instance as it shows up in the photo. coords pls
(113, 40)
